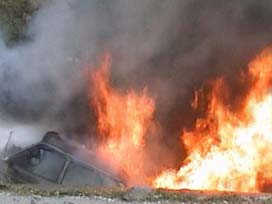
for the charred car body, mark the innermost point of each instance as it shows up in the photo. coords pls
(58, 161)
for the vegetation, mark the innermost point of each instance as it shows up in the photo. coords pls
(14, 16)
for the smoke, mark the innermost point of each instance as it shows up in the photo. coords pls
(19, 135)
(172, 47)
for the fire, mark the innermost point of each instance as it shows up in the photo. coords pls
(123, 121)
(230, 150)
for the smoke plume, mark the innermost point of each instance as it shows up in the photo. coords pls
(170, 47)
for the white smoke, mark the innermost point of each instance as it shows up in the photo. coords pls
(19, 135)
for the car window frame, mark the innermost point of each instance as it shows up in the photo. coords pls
(69, 158)
(37, 176)
(81, 164)
(89, 167)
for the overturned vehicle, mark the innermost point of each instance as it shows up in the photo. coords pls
(58, 161)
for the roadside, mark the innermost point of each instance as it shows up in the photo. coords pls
(11, 194)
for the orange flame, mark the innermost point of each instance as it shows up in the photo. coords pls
(123, 122)
(227, 150)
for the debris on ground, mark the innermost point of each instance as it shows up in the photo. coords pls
(84, 194)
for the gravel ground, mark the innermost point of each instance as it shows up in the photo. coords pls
(11, 198)
(25, 194)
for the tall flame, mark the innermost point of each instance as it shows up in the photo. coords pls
(123, 122)
(230, 150)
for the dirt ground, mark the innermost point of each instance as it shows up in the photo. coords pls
(14, 194)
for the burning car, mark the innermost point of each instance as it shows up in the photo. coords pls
(58, 161)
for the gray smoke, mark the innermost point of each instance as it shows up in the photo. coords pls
(172, 47)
